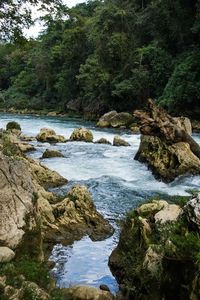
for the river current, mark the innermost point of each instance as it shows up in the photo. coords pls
(117, 182)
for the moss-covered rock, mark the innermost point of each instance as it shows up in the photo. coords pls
(49, 135)
(157, 260)
(167, 161)
(82, 134)
(50, 153)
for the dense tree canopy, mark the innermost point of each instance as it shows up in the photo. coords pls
(110, 54)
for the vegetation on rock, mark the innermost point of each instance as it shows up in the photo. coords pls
(156, 260)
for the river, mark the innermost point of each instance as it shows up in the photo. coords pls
(117, 182)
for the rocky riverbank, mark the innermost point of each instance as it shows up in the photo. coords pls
(158, 253)
(32, 220)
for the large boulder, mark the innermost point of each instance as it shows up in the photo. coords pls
(166, 144)
(115, 120)
(121, 119)
(105, 120)
(87, 293)
(50, 136)
(82, 134)
(74, 216)
(118, 141)
(155, 248)
(16, 196)
(43, 175)
(167, 161)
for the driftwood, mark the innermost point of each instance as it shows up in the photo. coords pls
(156, 122)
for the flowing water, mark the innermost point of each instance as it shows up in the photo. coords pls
(117, 182)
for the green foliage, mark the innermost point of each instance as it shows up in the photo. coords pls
(9, 148)
(182, 91)
(13, 125)
(106, 55)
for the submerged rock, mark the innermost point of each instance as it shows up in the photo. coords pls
(87, 293)
(118, 141)
(82, 134)
(49, 135)
(48, 153)
(103, 141)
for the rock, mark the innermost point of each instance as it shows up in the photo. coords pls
(153, 261)
(167, 161)
(103, 141)
(6, 254)
(33, 291)
(48, 153)
(134, 128)
(145, 229)
(121, 119)
(196, 126)
(26, 138)
(13, 126)
(43, 175)
(16, 194)
(105, 120)
(169, 213)
(118, 141)
(166, 144)
(24, 147)
(192, 211)
(184, 123)
(49, 135)
(87, 293)
(82, 134)
(149, 254)
(52, 114)
(104, 287)
(77, 213)
(152, 207)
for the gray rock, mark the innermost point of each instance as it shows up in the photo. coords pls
(48, 153)
(103, 141)
(118, 141)
(192, 211)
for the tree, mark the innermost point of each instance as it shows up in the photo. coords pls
(16, 15)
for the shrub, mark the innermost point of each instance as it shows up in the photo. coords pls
(13, 125)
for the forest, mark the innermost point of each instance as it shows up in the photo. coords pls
(104, 55)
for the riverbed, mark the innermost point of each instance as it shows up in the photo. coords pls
(117, 182)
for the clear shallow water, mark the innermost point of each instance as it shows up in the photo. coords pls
(116, 181)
